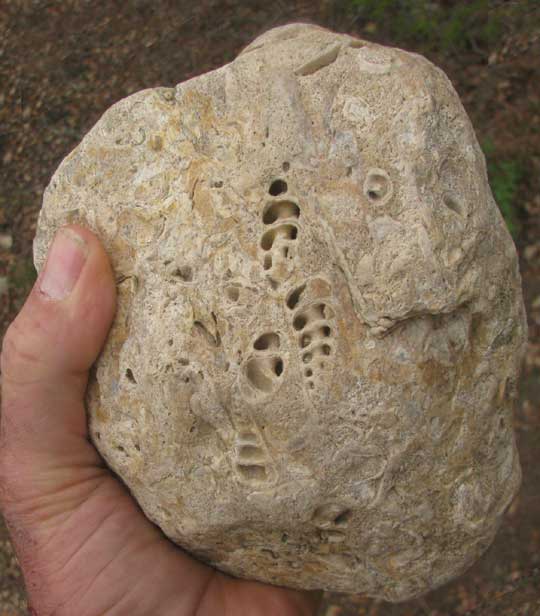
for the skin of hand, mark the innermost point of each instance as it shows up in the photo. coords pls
(84, 545)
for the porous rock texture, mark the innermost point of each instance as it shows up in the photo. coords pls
(310, 376)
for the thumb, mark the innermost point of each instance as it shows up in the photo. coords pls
(46, 355)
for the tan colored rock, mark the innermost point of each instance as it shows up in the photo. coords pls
(309, 380)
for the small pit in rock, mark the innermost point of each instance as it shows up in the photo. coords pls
(278, 187)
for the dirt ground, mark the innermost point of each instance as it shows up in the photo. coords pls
(63, 63)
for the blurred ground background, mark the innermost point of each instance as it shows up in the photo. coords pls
(63, 63)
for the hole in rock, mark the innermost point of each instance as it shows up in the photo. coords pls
(286, 166)
(311, 384)
(326, 349)
(315, 312)
(267, 262)
(307, 357)
(267, 240)
(277, 187)
(453, 204)
(331, 514)
(233, 293)
(185, 273)
(257, 377)
(267, 341)
(286, 232)
(378, 186)
(129, 375)
(252, 472)
(280, 209)
(294, 297)
(250, 453)
(343, 518)
(278, 367)
(299, 322)
(305, 341)
(308, 372)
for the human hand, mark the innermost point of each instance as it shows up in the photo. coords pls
(84, 546)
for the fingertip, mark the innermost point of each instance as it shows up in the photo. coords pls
(65, 319)
(92, 303)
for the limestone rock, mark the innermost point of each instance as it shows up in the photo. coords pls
(310, 376)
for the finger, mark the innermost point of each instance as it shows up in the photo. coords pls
(46, 354)
(54, 340)
(231, 596)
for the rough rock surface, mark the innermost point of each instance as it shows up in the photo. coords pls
(309, 380)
